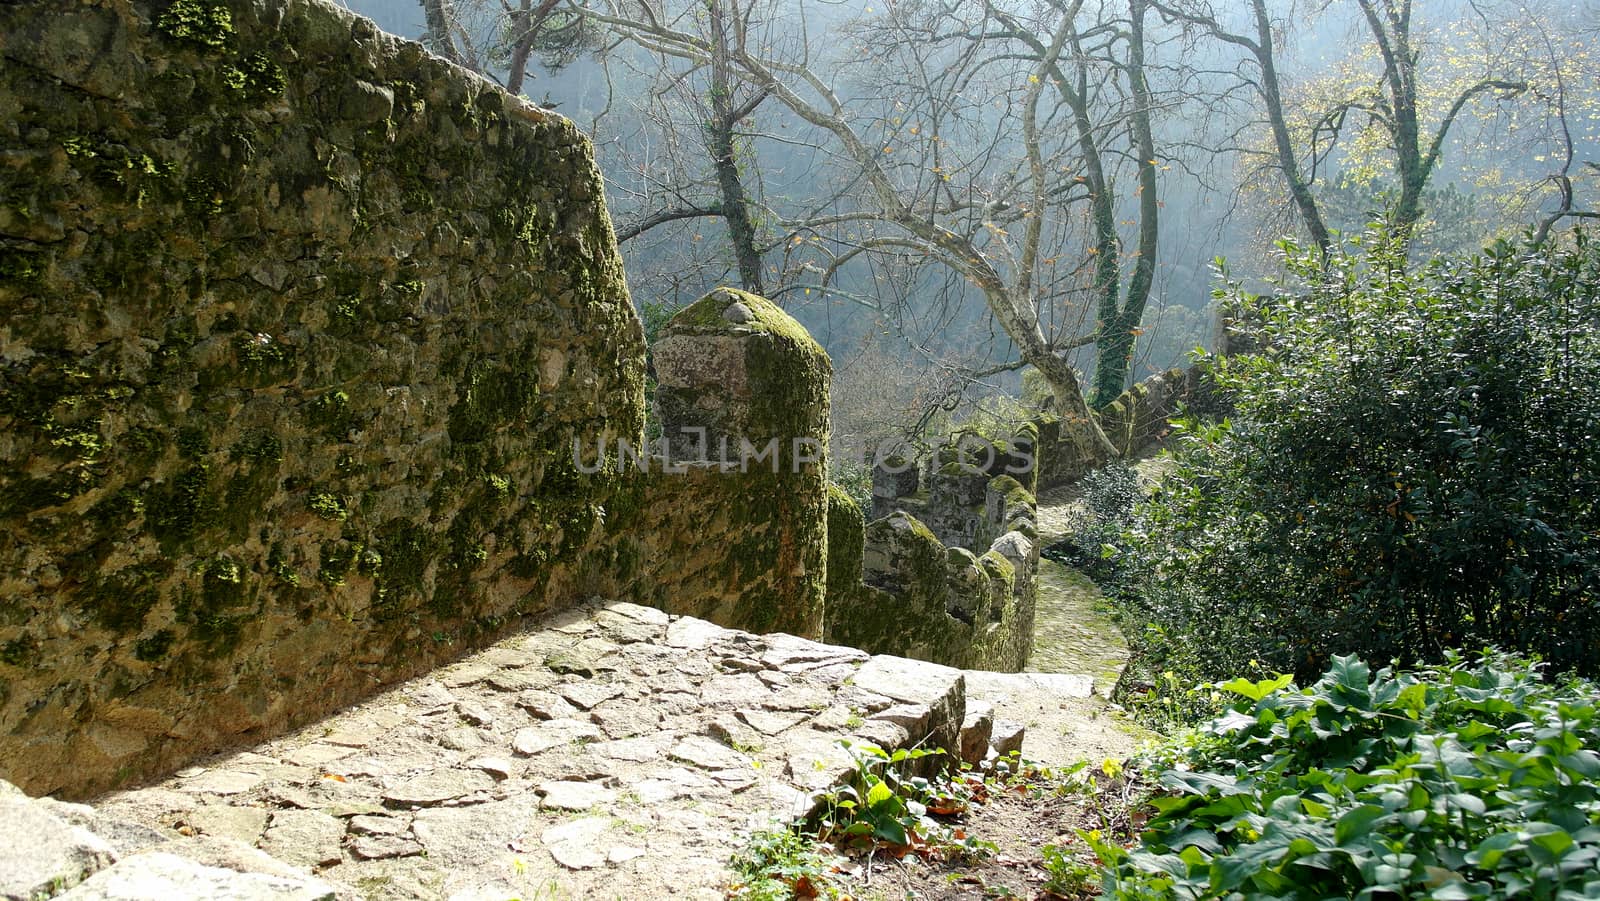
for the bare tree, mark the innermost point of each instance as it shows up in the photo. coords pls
(672, 183)
(1393, 103)
(1260, 44)
(446, 36)
(983, 139)
(500, 41)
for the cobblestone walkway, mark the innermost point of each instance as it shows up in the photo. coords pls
(616, 753)
(1072, 632)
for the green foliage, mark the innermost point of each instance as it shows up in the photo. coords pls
(780, 864)
(1467, 780)
(1413, 467)
(889, 806)
(1066, 875)
(853, 478)
(1109, 496)
(886, 808)
(655, 315)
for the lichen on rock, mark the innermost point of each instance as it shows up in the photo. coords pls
(299, 326)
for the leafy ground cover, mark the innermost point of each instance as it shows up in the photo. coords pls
(1471, 779)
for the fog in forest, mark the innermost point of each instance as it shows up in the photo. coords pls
(944, 192)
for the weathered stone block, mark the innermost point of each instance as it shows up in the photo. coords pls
(42, 854)
(976, 729)
(1006, 737)
(846, 544)
(895, 477)
(156, 874)
(734, 375)
(1139, 416)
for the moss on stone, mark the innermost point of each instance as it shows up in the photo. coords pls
(331, 414)
(20, 651)
(846, 544)
(218, 350)
(998, 567)
(335, 561)
(258, 447)
(1012, 492)
(193, 443)
(178, 510)
(766, 317)
(328, 506)
(492, 395)
(206, 24)
(154, 648)
(121, 600)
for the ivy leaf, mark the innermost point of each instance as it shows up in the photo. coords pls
(1356, 823)
(1255, 691)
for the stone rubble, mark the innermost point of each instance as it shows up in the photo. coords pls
(616, 752)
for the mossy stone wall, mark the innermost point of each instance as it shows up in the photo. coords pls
(297, 325)
(947, 574)
(733, 526)
(921, 599)
(846, 542)
(1139, 416)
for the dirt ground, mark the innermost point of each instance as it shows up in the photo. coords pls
(1019, 820)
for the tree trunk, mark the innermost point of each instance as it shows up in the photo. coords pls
(1119, 322)
(1271, 94)
(1078, 422)
(439, 16)
(724, 158)
(1079, 425)
(526, 21)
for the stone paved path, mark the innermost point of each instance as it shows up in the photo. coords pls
(1072, 631)
(616, 753)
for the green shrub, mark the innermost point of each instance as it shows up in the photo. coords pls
(1109, 496)
(1468, 780)
(1414, 465)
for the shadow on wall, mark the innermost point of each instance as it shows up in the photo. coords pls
(305, 335)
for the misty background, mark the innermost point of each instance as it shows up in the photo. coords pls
(914, 343)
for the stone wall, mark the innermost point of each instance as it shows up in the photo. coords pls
(1135, 420)
(731, 524)
(949, 573)
(1139, 416)
(299, 324)
(922, 599)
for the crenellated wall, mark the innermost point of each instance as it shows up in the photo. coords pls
(948, 572)
(1139, 416)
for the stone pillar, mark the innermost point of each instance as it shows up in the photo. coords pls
(893, 479)
(743, 390)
